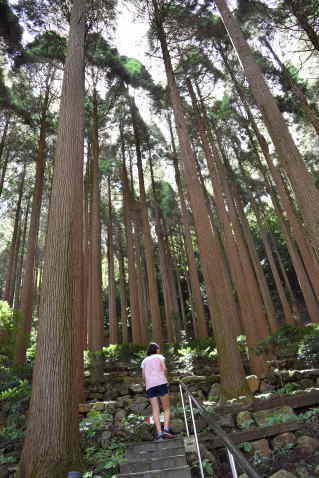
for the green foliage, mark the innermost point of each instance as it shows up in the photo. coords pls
(94, 423)
(280, 418)
(11, 433)
(208, 467)
(106, 460)
(8, 328)
(22, 389)
(4, 460)
(125, 352)
(45, 48)
(288, 388)
(308, 349)
(166, 197)
(246, 446)
(309, 414)
(290, 341)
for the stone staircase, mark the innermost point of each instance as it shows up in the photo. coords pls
(163, 459)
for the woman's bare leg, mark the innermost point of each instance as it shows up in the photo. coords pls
(156, 414)
(167, 411)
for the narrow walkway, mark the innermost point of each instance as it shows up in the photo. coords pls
(163, 459)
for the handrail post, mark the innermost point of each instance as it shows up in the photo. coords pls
(229, 445)
(183, 405)
(232, 464)
(196, 437)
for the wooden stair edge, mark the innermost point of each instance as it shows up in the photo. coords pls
(252, 434)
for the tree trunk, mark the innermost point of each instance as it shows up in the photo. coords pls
(273, 266)
(123, 296)
(4, 163)
(253, 317)
(4, 170)
(200, 329)
(293, 301)
(148, 245)
(27, 294)
(309, 110)
(17, 299)
(296, 7)
(231, 368)
(303, 185)
(11, 272)
(305, 249)
(168, 286)
(112, 288)
(141, 272)
(132, 280)
(96, 311)
(52, 443)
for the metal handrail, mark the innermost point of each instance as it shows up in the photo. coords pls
(232, 449)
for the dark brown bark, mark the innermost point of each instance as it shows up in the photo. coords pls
(304, 247)
(51, 447)
(4, 135)
(4, 170)
(17, 298)
(273, 266)
(253, 317)
(4, 163)
(297, 7)
(200, 326)
(123, 295)
(96, 312)
(305, 285)
(291, 294)
(27, 294)
(148, 244)
(111, 275)
(141, 272)
(132, 280)
(168, 284)
(310, 110)
(302, 183)
(12, 263)
(231, 368)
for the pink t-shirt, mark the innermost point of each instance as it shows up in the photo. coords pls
(153, 371)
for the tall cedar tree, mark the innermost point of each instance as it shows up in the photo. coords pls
(51, 447)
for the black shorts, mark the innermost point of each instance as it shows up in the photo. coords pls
(157, 391)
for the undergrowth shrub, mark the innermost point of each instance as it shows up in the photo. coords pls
(290, 341)
(8, 328)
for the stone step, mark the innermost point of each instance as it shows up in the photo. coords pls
(177, 472)
(153, 454)
(155, 447)
(153, 463)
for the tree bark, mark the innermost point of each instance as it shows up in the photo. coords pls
(253, 317)
(200, 326)
(17, 298)
(132, 280)
(296, 7)
(302, 183)
(4, 170)
(148, 245)
(123, 295)
(231, 368)
(96, 311)
(111, 286)
(27, 294)
(11, 271)
(310, 111)
(52, 443)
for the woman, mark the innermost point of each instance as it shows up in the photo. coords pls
(154, 374)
